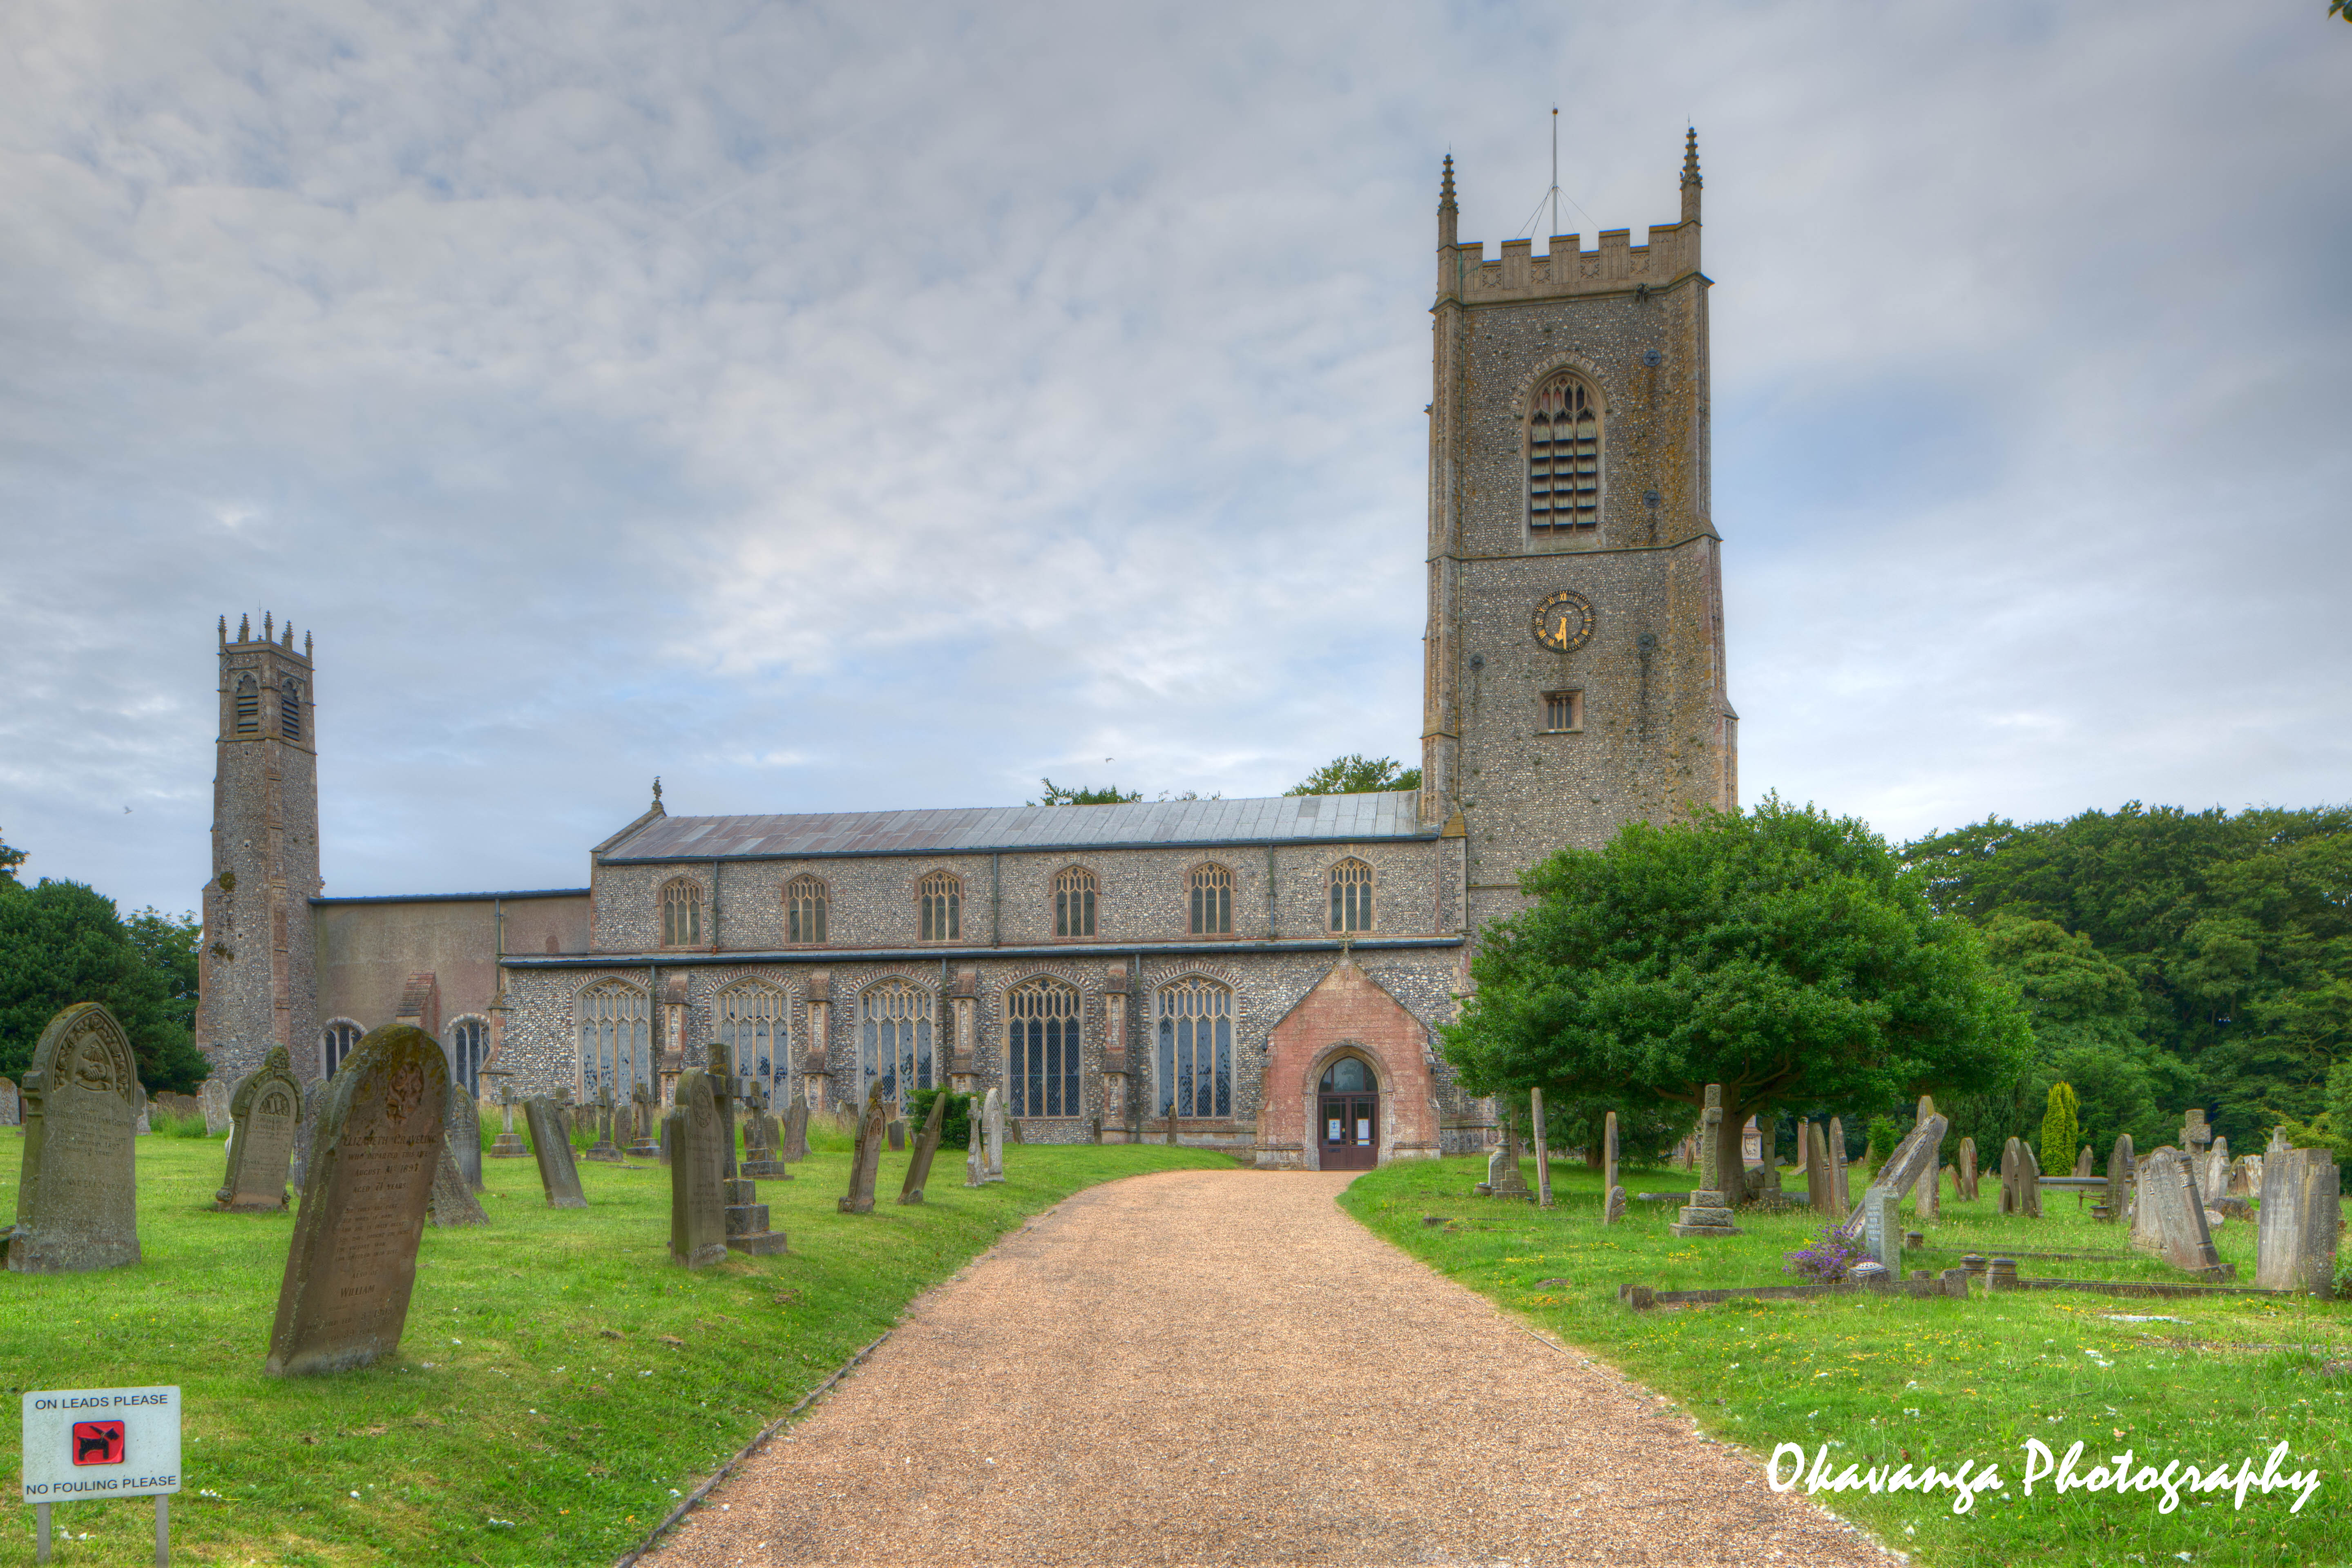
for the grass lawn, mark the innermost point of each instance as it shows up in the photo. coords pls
(1933, 1382)
(560, 1384)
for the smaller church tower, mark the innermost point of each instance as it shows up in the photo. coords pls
(257, 985)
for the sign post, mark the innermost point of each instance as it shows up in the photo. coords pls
(84, 1444)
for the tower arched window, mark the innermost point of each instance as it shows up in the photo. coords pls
(289, 710)
(805, 898)
(894, 1046)
(1213, 900)
(1352, 896)
(1074, 902)
(1041, 1048)
(337, 1041)
(940, 895)
(681, 911)
(615, 1040)
(1564, 456)
(752, 1026)
(1195, 1038)
(469, 1047)
(249, 707)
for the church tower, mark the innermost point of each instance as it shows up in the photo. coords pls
(1574, 675)
(257, 985)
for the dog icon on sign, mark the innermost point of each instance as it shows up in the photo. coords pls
(98, 1443)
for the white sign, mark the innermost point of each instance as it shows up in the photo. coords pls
(1363, 1132)
(82, 1443)
(1335, 1131)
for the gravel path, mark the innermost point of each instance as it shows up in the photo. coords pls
(1205, 1367)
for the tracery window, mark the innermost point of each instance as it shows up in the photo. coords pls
(616, 1038)
(1041, 1053)
(752, 1027)
(1352, 896)
(1213, 900)
(942, 896)
(805, 898)
(681, 909)
(1564, 456)
(1196, 1048)
(470, 1045)
(249, 706)
(1563, 711)
(337, 1041)
(290, 708)
(1074, 902)
(894, 1050)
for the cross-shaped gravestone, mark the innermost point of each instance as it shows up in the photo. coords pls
(726, 1089)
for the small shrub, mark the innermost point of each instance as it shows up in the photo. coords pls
(955, 1127)
(181, 1126)
(1884, 1133)
(1826, 1258)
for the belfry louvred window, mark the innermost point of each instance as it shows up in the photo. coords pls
(249, 706)
(681, 908)
(289, 710)
(1563, 455)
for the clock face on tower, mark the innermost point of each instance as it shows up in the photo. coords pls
(1564, 622)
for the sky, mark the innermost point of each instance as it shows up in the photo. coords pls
(848, 406)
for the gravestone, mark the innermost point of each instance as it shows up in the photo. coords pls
(867, 1160)
(1503, 1177)
(643, 1145)
(697, 1198)
(2194, 1133)
(600, 1111)
(1814, 1157)
(1926, 1191)
(139, 1107)
(465, 1136)
(2146, 1230)
(993, 1111)
(2010, 1163)
(1882, 1224)
(265, 1112)
(975, 1161)
(898, 1130)
(1912, 1157)
(2168, 1191)
(1708, 1212)
(2029, 1181)
(2085, 1165)
(927, 1144)
(1751, 1145)
(2278, 1143)
(374, 1148)
(1613, 1201)
(1827, 1152)
(2246, 1176)
(1965, 1186)
(77, 1188)
(11, 1106)
(2294, 1246)
(508, 1145)
(1543, 1151)
(2216, 1174)
(795, 1142)
(557, 1175)
(215, 1096)
(762, 1140)
(2119, 1179)
(297, 1165)
(453, 1202)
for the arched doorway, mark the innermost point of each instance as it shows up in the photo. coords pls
(1348, 1117)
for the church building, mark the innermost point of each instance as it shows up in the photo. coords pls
(1264, 977)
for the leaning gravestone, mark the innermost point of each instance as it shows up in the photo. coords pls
(10, 1106)
(698, 1201)
(215, 1097)
(1913, 1157)
(2168, 1189)
(1613, 1200)
(2302, 1207)
(1815, 1158)
(867, 1160)
(1964, 1187)
(1543, 1149)
(2119, 1179)
(795, 1133)
(465, 1136)
(1927, 1190)
(352, 1263)
(975, 1155)
(2085, 1165)
(264, 1112)
(77, 1190)
(2012, 1160)
(2029, 1181)
(1833, 1170)
(453, 1202)
(140, 1128)
(993, 1113)
(927, 1144)
(1841, 1186)
(1708, 1212)
(557, 1173)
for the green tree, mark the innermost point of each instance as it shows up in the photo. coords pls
(61, 943)
(1108, 795)
(2061, 1131)
(1355, 774)
(168, 944)
(9, 860)
(1777, 951)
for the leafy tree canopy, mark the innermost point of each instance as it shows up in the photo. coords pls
(1779, 951)
(1085, 795)
(1355, 774)
(9, 860)
(61, 943)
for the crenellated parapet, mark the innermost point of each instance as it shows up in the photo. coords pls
(1618, 265)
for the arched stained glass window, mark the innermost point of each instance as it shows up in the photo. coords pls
(337, 1041)
(752, 1026)
(1041, 1053)
(894, 1048)
(1213, 900)
(1352, 896)
(1074, 902)
(942, 896)
(1196, 1049)
(469, 1047)
(681, 907)
(1564, 456)
(615, 1043)
(805, 898)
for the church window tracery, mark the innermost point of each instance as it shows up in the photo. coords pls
(941, 898)
(1196, 1036)
(469, 1047)
(1352, 896)
(1074, 902)
(894, 1047)
(615, 1038)
(1564, 456)
(681, 910)
(1563, 711)
(337, 1041)
(805, 898)
(1041, 1056)
(751, 1024)
(1213, 900)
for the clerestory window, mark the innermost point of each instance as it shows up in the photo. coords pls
(942, 896)
(805, 898)
(1564, 456)
(1074, 902)
(1352, 896)
(1213, 900)
(681, 911)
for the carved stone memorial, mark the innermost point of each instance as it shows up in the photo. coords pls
(867, 1160)
(454, 1203)
(1542, 1148)
(215, 1096)
(1964, 1187)
(374, 1149)
(1708, 1212)
(2303, 1204)
(465, 1136)
(698, 1197)
(11, 1106)
(2176, 1211)
(557, 1173)
(264, 1113)
(77, 1188)
(1612, 1194)
(992, 1113)
(1503, 1177)
(926, 1145)
(2120, 1181)
(793, 1144)
(1926, 1190)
